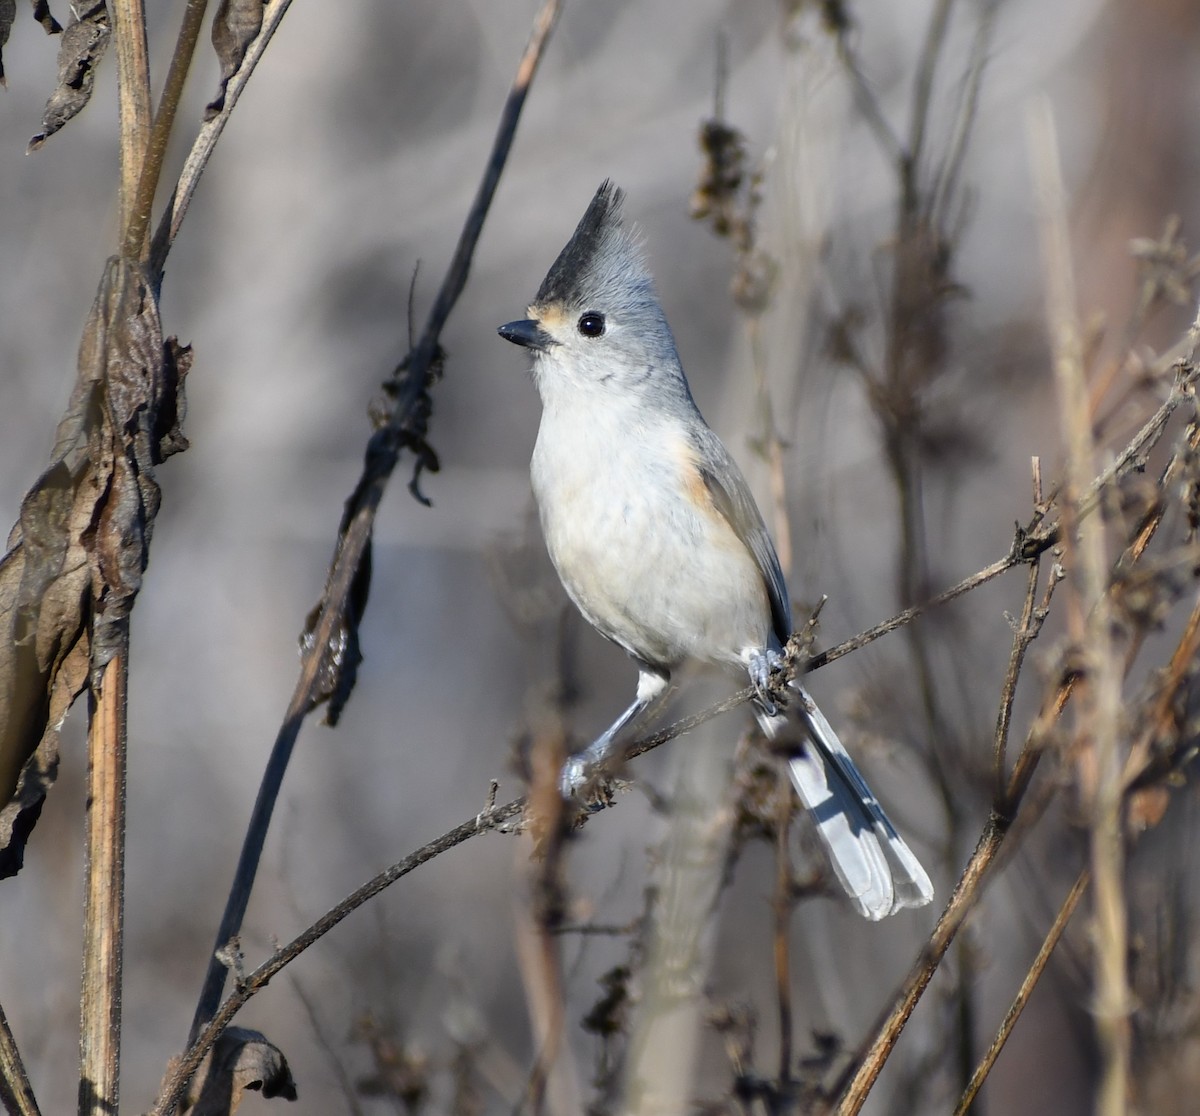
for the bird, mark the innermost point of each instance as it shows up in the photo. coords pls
(659, 543)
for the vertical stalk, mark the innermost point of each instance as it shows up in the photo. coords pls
(104, 912)
(1099, 722)
(133, 97)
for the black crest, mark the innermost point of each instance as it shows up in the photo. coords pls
(596, 237)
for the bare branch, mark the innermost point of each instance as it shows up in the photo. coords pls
(1023, 993)
(334, 621)
(15, 1092)
(179, 1073)
(160, 132)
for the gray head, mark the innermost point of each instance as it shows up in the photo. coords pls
(596, 320)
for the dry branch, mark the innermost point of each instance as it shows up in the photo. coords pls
(329, 647)
(1023, 993)
(15, 1092)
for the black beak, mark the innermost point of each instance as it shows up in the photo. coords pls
(528, 333)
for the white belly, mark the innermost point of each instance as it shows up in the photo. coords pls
(649, 566)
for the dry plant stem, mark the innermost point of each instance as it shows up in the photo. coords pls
(206, 140)
(1091, 630)
(864, 1069)
(16, 1094)
(352, 546)
(104, 914)
(783, 917)
(349, 1092)
(1153, 520)
(257, 980)
(1159, 723)
(133, 92)
(860, 1076)
(1026, 632)
(935, 38)
(968, 104)
(1023, 993)
(536, 918)
(103, 929)
(160, 132)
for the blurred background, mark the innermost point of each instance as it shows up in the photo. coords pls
(347, 170)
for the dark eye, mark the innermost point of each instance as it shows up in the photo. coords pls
(592, 324)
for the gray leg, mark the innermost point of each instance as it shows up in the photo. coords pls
(651, 686)
(760, 664)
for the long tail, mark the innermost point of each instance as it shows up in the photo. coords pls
(878, 870)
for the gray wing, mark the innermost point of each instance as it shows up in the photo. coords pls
(733, 500)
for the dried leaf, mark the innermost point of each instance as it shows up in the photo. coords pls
(8, 12)
(241, 1059)
(77, 553)
(235, 26)
(83, 43)
(1147, 807)
(41, 12)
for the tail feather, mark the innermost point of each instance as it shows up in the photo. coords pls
(878, 870)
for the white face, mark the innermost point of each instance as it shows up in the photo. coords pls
(611, 346)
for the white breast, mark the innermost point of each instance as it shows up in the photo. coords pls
(639, 548)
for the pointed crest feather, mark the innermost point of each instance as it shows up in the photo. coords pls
(600, 256)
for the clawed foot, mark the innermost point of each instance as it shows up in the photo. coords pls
(574, 776)
(760, 666)
(579, 774)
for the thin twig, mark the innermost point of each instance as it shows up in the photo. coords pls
(1159, 723)
(1023, 993)
(860, 1076)
(935, 38)
(866, 101)
(160, 131)
(16, 1094)
(783, 904)
(206, 141)
(349, 1093)
(946, 181)
(383, 456)
(104, 911)
(257, 980)
(1025, 631)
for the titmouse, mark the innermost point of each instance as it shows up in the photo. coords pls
(659, 542)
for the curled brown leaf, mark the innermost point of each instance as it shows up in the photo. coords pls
(41, 12)
(235, 26)
(83, 43)
(76, 555)
(8, 12)
(241, 1060)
